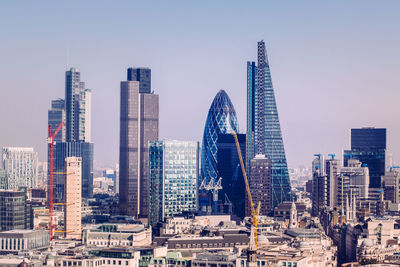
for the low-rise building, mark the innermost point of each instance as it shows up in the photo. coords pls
(111, 235)
(14, 241)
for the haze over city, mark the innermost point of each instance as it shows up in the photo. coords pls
(334, 66)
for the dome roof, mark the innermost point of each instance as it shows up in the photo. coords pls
(23, 264)
(367, 243)
(221, 119)
(49, 257)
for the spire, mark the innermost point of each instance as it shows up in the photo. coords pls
(252, 251)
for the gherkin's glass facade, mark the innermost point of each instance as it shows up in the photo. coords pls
(221, 119)
(264, 134)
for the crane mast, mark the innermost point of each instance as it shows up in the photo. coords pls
(254, 211)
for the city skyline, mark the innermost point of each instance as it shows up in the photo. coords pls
(311, 67)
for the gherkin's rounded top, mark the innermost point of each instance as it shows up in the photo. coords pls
(221, 119)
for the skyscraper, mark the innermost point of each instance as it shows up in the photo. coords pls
(232, 194)
(221, 119)
(139, 124)
(368, 145)
(77, 105)
(263, 128)
(174, 170)
(74, 139)
(56, 115)
(73, 149)
(143, 76)
(20, 165)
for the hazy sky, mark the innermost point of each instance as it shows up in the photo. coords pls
(335, 65)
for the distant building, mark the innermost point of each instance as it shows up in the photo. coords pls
(391, 182)
(15, 241)
(139, 124)
(73, 198)
(20, 165)
(116, 235)
(14, 210)
(233, 192)
(3, 179)
(260, 185)
(368, 145)
(174, 172)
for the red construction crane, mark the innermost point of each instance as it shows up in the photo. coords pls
(50, 141)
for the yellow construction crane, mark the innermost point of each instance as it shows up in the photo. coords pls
(254, 212)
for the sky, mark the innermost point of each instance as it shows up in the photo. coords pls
(334, 64)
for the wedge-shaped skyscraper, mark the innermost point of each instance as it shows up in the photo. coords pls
(263, 128)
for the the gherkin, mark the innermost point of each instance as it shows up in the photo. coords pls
(221, 119)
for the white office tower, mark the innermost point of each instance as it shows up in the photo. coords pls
(20, 165)
(73, 198)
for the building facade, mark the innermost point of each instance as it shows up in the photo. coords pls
(64, 150)
(221, 119)
(260, 185)
(264, 134)
(74, 139)
(77, 106)
(368, 145)
(20, 165)
(73, 197)
(174, 171)
(139, 124)
(14, 241)
(56, 115)
(14, 210)
(232, 195)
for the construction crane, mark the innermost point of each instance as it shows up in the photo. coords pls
(214, 190)
(254, 211)
(51, 142)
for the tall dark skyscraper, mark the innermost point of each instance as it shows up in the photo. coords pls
(143, 76)
(263, 128)
(368, 145)
(232, 195)
(75, 137)
(139, 124)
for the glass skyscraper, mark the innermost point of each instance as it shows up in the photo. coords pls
(221, 119)
(139, 124)
(56, 115)
(368, 145)
(74, 139)
(232, 195)
(174, 170)
(263, 128)
(63, 150)
(77, 106)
